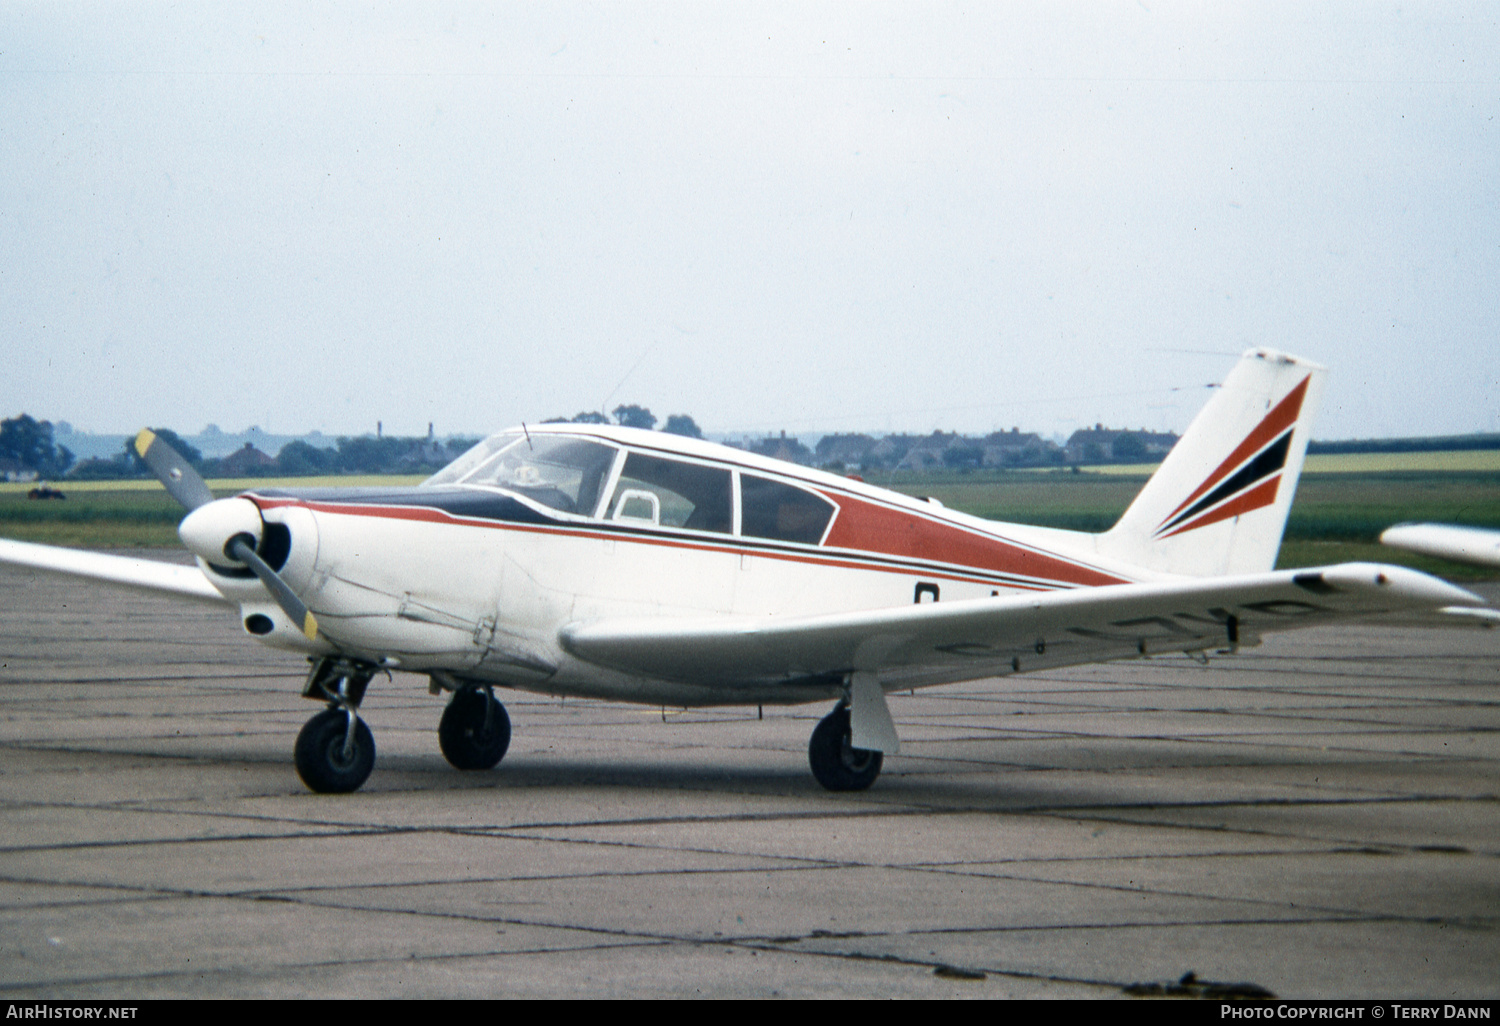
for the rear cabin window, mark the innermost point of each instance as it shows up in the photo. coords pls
(770, 509)
(672, 493)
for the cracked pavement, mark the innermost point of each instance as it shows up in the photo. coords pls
(1318, 817)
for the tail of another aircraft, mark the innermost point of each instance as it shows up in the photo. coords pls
(1219, 503)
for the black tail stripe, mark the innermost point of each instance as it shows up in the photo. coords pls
(1270, 459)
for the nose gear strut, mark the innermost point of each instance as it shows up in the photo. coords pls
(335, 749)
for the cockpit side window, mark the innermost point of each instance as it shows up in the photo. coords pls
(771, 509)
(673, 493)
(560, 471)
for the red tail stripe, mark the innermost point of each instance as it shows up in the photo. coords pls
(1278, 420)
(1263, 494)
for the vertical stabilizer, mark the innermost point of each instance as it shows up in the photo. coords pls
(1219, 503)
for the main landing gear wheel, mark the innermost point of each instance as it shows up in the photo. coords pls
(475, 730)
(332, 759)
(837, 764)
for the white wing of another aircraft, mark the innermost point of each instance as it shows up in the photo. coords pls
(1477, 545)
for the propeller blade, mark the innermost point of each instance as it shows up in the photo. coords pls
(187, 487)
(243, 550)
(175, 473)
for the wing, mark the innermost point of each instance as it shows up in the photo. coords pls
(186, 582)
(1475, 545)
(916, 645)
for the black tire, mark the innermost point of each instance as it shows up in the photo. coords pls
(837, 764)
(461, 734)
(320, 753)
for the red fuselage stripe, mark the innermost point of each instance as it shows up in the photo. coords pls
(958, 549)
(868, 527)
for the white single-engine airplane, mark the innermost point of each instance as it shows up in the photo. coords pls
(642, 567)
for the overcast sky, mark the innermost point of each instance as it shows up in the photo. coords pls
(811, 217)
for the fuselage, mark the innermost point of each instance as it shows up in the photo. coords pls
(475, 572)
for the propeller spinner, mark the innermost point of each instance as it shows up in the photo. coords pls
(219, 528)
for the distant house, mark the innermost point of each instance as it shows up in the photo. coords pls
(15, 470)
(1100, 444)
(926, 453)
(1014, 448)
(245, 462)
(847, 451)
(783, 448)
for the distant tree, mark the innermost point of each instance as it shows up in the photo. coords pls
(635, 416)
(1128, 448)
(104, 470)
(592, 417)
(682, 424)
(370, 455)
(28, 441)
(963, 453)
(300, 458)
(187, 452)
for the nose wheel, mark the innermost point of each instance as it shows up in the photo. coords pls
(837, 764)
(475, 730)
(335, 752)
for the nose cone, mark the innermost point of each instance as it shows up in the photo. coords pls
(207, 529)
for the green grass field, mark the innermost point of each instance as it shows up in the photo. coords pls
(1337, 517)
(129, 514)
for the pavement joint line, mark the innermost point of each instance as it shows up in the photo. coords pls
(159, 893)
(1354, 844)
(1370, 682)
(149, 842)
(769, 948)
(1178, 924)
(1019, 974)
(276, 970)
(799, 863)
(651, 939)
(1333, 914)
(807, 863)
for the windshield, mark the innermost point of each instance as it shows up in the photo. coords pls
(559, 471)
(453, 472)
